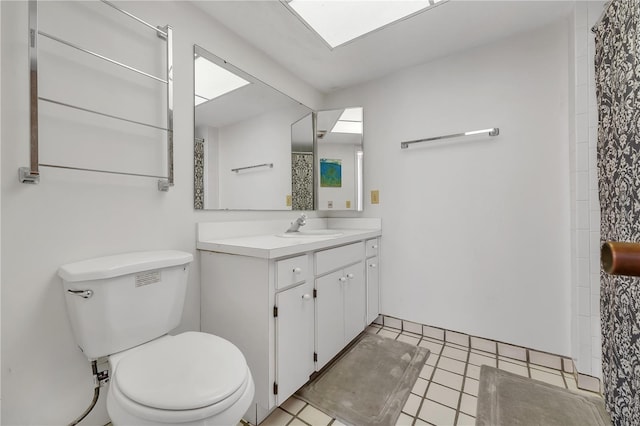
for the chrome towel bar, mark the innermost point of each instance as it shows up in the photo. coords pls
(160, 31)
(115, 117)
(112, 172)
(491, 132)
(97, 55)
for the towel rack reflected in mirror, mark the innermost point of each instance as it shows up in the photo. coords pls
(269, 165)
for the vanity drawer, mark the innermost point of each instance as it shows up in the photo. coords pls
(371, 247)
(336, 258)
(291, 271)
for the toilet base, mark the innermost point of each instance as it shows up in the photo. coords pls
(228, 417)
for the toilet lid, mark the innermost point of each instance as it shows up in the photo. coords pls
(188, 371)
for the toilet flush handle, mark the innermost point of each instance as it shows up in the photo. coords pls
(85, 294)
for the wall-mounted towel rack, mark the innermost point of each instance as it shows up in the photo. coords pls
(270, 165)
(31, 174)
(491, 132)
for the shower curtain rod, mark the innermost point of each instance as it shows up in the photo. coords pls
(491, 132)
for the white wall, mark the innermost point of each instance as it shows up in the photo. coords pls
(476, 233)
(72, 215)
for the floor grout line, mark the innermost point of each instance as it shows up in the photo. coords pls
(464, 380)
(429, 381)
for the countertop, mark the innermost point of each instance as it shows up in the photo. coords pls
(272, 246)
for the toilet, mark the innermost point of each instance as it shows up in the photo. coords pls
(122, 307)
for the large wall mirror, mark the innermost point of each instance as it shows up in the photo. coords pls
(258, 149)
(242, 138)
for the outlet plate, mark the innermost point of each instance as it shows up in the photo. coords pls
(375, 196)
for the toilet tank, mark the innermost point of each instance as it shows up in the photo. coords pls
(118, 302)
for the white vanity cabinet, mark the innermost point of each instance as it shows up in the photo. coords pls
(340, 299)
(373, 279)
(285, 302)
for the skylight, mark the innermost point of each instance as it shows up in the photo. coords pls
(212, 81)
(340, 21)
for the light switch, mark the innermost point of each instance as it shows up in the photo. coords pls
(288, 201)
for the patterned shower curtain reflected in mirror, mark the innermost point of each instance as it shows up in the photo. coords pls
(617, 66)
(302, 181)
(198, 176)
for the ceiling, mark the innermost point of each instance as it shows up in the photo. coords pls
(450, 27)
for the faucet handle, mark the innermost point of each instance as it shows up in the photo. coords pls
(296, 224)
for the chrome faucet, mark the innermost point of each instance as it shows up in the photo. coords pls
(295, 225)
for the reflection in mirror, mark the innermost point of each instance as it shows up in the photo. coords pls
(339, 159)
(302, 182)
(242, 139)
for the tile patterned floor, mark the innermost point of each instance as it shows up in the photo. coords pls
(444, 394)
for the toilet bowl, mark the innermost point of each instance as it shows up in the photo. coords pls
(188, 379)
(122, 307)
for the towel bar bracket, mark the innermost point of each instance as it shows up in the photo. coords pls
(25, 175)
(162, 32)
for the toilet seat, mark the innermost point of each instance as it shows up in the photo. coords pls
(180, 378)
(178, 416)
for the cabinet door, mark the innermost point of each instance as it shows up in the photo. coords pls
(355, 301)
(329, 316)
(373, 290)
(294, 339)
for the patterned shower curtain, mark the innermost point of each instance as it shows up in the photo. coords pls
(617, 66)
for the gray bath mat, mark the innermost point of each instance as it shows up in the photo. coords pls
(509, 399)
(369, 383)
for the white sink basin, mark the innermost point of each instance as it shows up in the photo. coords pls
(312, 233)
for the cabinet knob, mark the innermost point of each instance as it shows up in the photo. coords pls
(306, 296)
(342, 279)
(350, 276)
(297, 270)
(373, 265)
